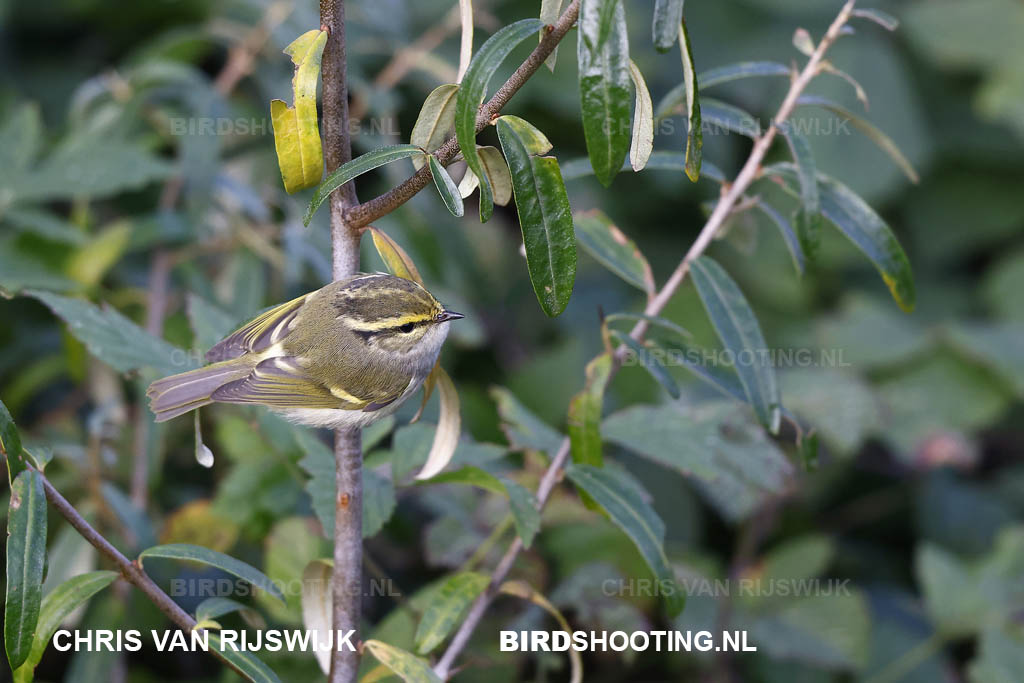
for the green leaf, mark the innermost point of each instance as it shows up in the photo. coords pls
(523, 429)
(521, 589)
(737, 327)
(195, 553)
(862, 226)
(637, 520)
(474, 86)
(657, 321)
(22, 269)
(884, 142)
(296, 133)
(470, 476)
(46, 225)
(642, 142)
(604, 82)
(716, 444)
(446, 187)
(729, 117)
(789, 235)
(248, 663)
(549, 13)
(584, 423)
(694, 112)
(883, 19)
(524, 510)
(651, 361)
(497, 173)
(1000, 657)
(544, 215)
(115, 339)
(436, 121)
(211, 608)
(26, 557)
(405, 665)
(10, 442)
(732, 72)
(612, 249)
(668, 15)
(55, 608)
(659, 161)
(355, 168)
(445, 608)
(808, 217)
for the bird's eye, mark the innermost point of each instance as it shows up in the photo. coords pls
(406, 328)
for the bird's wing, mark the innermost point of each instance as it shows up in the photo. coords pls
(259, 333)
(280, 382)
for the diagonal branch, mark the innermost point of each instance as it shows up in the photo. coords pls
(364, 214)
(734, 192)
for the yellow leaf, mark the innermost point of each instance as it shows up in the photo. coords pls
(521, 589)
(395, 259)
(89, 264)
(296, 135)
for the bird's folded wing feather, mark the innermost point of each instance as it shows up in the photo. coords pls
(259, 333)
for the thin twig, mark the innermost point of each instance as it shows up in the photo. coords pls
(747, 175)
(366, 213)
(347, 574)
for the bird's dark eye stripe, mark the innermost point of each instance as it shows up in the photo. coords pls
(406, 327)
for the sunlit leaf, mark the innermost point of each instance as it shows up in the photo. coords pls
(447, 603)
(449, 426)
(474, 86)
(446, 187)
(195, 553)
(544, 214)
(355, 168)
(637, 520)
(296, 134)
(612, 249)
(407, 666)
(604, 82)
(884, 142)
(396, 260)
(642, 142)
(668, 15)
(436, 121)
(26, 557)
(466, 42)
(737, 327)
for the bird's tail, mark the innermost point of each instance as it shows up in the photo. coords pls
(178, 394)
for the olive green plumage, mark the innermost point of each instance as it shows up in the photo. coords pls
(344, 355)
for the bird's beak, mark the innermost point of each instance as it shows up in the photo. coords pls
(449, 315)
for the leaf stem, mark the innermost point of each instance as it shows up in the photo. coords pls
(747, 175)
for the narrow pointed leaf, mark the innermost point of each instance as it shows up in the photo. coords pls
(604, 83)
(612, 249)
(446, 606)
(729, 117)
(668, 15)
(355, 168)
(466, 42)
(405, 665)
(694, 133)
(449, 426)
(525, 515)
(212, 608)
(808, 216)
(396, 260)
(651, 361)
(56, 607)
(474, 85)
(628, 511)
(251, 666)
(446, 187)
(26, 557)
(316, 605)
(886, 21)
(296, 134)
(436, 121)
(549, 13)
(521, 589)
(659, 161)
(584, 423)
(732, 72)
(737, 327)
(10, 443)
(195, 553)
(884, 142)
(656, 321)
(865, 228)
(642, 142)
(789, 235)
(544, 217)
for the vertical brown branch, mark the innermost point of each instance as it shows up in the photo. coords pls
(346, 577)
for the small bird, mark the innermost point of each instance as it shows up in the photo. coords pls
(345, 355)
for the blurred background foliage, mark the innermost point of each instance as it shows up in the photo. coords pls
(131, 157)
